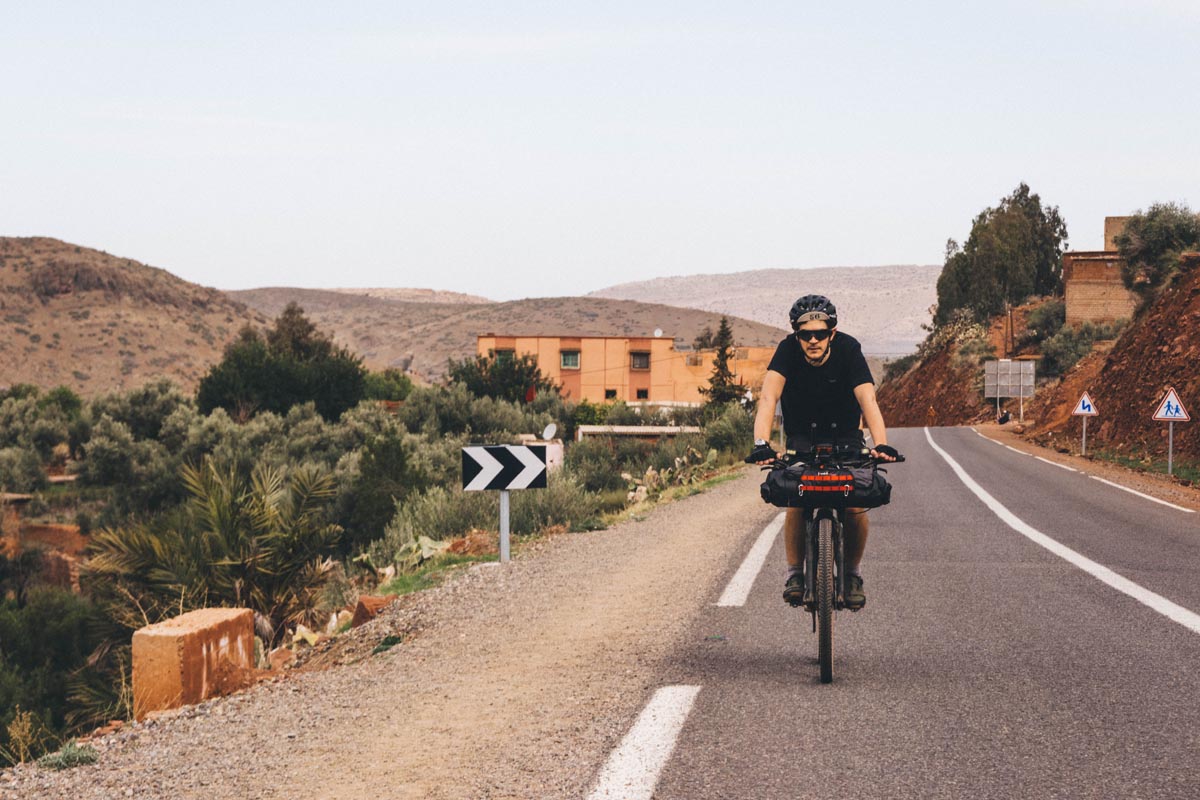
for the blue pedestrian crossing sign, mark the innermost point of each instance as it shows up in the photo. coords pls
(1170, 409)
(1085, 407)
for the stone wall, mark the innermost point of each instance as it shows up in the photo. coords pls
(1094, 290)
(192, 657)
(1113, 227)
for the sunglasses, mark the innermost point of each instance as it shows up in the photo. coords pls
(808, 336)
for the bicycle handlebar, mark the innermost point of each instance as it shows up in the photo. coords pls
(788, 460)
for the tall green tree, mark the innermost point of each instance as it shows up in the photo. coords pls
(293, 363)
(503, 376)
(1013, 251)
(1152, 241)
(723, 386)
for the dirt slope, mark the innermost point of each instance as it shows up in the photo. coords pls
(938, 391)
(422, 336)
(1160, 348)
(96, 322)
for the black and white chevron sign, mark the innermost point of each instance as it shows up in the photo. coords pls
(504, 467)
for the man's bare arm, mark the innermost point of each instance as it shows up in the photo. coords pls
(865, 393)
(768, 398)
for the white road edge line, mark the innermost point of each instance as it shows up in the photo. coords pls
(1146, 496)
(632, 770)
(742, 582)
(1056, 464)
(1015, 450)
(1162, 605)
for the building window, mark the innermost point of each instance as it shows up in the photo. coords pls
(610, 394)
(643, 394)
(504, 355)
(640, 360)
(569, 359)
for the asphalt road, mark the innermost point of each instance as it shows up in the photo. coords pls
(984, 665)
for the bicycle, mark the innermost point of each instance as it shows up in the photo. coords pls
(833, 478)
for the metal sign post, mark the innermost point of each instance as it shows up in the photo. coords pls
(1170, 411)
(504, 539)
(1085, 408)
(504, 467)
(1008, 378)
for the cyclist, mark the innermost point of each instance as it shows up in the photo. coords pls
(822, 379)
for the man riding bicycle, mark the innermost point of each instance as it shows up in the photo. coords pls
(826, 389)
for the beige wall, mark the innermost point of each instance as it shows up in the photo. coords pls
(1113, 227)
(1094, 291)
(605, 364)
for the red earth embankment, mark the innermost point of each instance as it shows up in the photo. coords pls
(1160, 349)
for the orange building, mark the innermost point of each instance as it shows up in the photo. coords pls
(649, 369)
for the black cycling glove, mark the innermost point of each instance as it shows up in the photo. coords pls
(760, 453)
(886, 450)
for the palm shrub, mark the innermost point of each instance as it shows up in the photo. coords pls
(259, 541)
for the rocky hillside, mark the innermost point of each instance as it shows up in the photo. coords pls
(421, 337)
(943, 387)
(96, 322)
(1128, 378)
(883, 307)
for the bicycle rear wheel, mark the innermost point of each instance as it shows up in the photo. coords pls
(824, 591)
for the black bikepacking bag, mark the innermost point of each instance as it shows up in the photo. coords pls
(802, 486)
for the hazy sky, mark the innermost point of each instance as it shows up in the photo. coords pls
(525, 149)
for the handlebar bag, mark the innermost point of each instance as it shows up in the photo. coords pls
(803, 486)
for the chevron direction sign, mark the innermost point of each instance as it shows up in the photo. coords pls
(503, 467)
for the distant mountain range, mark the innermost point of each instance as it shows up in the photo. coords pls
(882, 307)
(97, 322)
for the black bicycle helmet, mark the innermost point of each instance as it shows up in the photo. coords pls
(813, 307)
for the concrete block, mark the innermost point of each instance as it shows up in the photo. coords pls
(192, 657)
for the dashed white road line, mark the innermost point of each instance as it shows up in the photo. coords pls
(632, 770)
(1015, 450)
(1188, 619)
(742, 582)
(1056, 464)
(1146, 496)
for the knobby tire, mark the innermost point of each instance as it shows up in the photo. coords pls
(825, 599)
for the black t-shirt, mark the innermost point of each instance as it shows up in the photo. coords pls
(824, 394)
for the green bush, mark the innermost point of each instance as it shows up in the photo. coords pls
(592, 462)
(71, 755)
(391, 384)
(21, 471)
(143, 410)
(733, 431)
(564, 501)
(1064, 349)
(899, 366)
(1045, 321)
(386, 474)
(46, 641)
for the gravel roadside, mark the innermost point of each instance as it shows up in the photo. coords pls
(515, 681)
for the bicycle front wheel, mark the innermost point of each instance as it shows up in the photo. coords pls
(824, 591)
